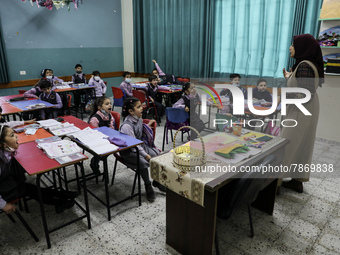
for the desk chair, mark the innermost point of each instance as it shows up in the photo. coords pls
(242, 191)
(17, 213)
(118, 97)
(145, 101)
(116, 116)
(121, 160)
(22, 91)
(175, 118)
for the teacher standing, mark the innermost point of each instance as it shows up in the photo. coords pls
(307, 73)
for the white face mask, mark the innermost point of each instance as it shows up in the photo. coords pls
(49, 77)
(9, 149)
(128, 80)
(96, 78)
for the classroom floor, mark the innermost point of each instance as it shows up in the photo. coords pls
(307, 223)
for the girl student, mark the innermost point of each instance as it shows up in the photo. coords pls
(12, 179)
(133, 126)
(101, 116)
(189, 102)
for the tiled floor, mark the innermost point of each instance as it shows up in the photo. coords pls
(307, 223)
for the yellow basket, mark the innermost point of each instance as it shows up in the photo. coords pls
(187, 158)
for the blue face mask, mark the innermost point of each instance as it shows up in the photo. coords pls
(128, 80)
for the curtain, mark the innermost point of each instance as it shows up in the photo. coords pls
(4, 77)
(304, 20)
(252, 37)
(177, 34)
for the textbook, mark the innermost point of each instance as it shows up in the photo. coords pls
(63, 151)
(94, 140)
(57, 128)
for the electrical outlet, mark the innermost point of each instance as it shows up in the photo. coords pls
(22, 72)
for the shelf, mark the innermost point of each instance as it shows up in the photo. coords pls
(332, 74)
(330, 47)
(329, 19)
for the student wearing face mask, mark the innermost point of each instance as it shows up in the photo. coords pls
(12, 179)
(47, 74)
(99, 84)
(126, 86)
(235, 81)
(261, 92)
(101, 116)
(79, 76)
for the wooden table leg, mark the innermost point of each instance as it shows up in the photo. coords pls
(190, 228)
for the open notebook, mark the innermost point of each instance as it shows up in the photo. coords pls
(95, 140)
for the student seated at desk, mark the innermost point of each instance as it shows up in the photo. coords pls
(12, 179)
(133, 126)
(235, 81)
(52, 97)
(152, 88)
(47, 74)
(100, 87)
(13, 124)
(261, 92)
(164, 78)
(79, 76)
(126, 86)
(35, 91)
(189, 102)
(100, 117)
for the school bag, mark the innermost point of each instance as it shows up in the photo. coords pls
(272, 129)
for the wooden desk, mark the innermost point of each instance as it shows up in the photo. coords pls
(190, 228)
(131, 143)
(36, 162)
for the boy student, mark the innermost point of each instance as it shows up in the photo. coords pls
(126, 86)
(234, 80)
(79, 76)
(52, 97)
(261, 92)
(152, 88)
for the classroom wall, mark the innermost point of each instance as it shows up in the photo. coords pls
(37, 38)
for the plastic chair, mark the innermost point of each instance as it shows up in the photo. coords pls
(145, 101)
(116, 115)
(22, 91)
(121, 160)
(242, 191)
(175, 118)
(118, 97)
(18, 214)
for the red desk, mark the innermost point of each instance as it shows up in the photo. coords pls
(77, 122)
(131, 143)
(41, 133)
(36, 162)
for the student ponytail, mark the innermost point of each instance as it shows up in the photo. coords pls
(98, 102)
(129, 103)
(186, 86)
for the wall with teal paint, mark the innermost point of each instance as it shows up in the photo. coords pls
(37, 38)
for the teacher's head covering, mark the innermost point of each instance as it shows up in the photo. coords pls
(307, 48)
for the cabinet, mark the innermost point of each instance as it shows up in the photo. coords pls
(330, 18)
